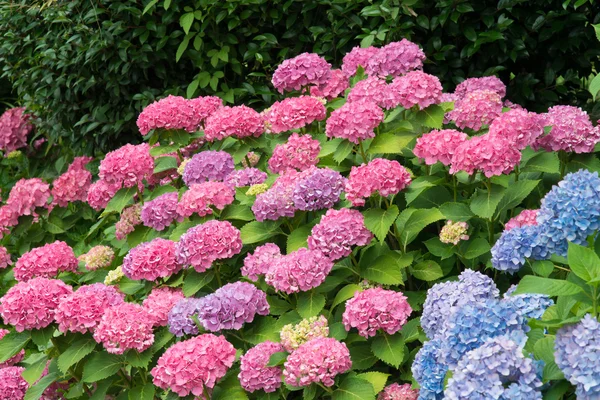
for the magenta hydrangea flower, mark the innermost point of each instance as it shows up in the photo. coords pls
(159, 302)
(476, 109)
(525, 218)
(379, 175)
(299, 152)
(396, 58)
(205, 106)
(520, 127)
(208, 166)
(258, 263)
(12, 384)
(306, 69)
(14, 129)
(232, 305)
(8, 218)
(238, 122)
(375, 90)
(354, 121)
(337, 232)
(100, 193)
(417, 88)
(32, 304)
(374, 309)
(97, 257)
(245, 177)
(491, 83)
(572, 131)
(278, 200)
(201, 196)
(17, 358)
(254, 374)
(160, 212)
(357, 57)
(294, 113)
(439, 145)
(27, 195)
(190, 366)
(46, 261)
(201, 245)
(395, 391)
(298, 271)
(319, 361)
(82, 310)
(73, 185)
(320, 188)
(123, 327)
(128, 165)
(5, 260)
(491, 155)
(151, 260)
(337, 83)
(130, 218)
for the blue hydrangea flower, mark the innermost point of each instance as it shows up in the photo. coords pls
(444, 298)
(496, 370)
(571, 211)
(429, 372)
(528, 305)
(577, 354)
(516, 245)
(180, 317)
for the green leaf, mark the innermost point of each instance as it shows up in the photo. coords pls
(476, 248)
(149, 6)
(543, 162)
(194, 281)
(137, 359)
(54, 225)
(384, 270)
(237, 212)
(129, 286)
(416, 222)
(550, 287)
(389, 349)
(142, 392)
(182, 46)
(186, 22)
(354, 388)
(277, 359)
(229, 389)
(102, 388)
(388, 143)
(543, 268)
(439, 249)
(544, 349)
(164, 164)
(254, 232)
(584, 262)
(344, 294)
(12, 343)
(122, 198)
(484, 204)
(329, 147)
(310, 304)
(35, 392)
(343, 151)
(376, 379)
(75, 353)
(379, 221)
(361, 356)
(298, 238)
(41, 337)
(515, 194)
(101, 366)
(427, 271)
(431, 117)
(35, 365)
(595, 87)
(456, 212)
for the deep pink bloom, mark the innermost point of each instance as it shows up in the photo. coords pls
(299, 152)
(204, 107)
(294, 113)
(354, 121)
(337, 83)
(439, 145)
(160, 301)
(486, 83)
(100, 193)
(417, 88)
(379, 175)
(8, 218)
(14, 129)
(490, 154)
(151, 260)
(520, 127)
(27, 195)
(201, 196)
(254, 373)
(357, 56)
(12, 384)
(396, 58)
(525, 218)
(258, 263)
(17, 358)
(301, 71)
(32, 304)
(73, 185)
(47, 261)
(5, 260)
(190, 366)
(130, 218)
(161, 212)
(375, 90)
(396, 391)
(128, 165)
(123, 327)
(298, 271)
(238, 122)
(572, 131)
(476, 109)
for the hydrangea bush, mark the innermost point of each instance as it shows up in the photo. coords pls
(367, 236)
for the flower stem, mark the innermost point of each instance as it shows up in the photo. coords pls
(362, 152)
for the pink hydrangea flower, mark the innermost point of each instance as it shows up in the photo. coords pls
(299, 152)
(17, 358)
(298, 271)
(491, 83)
(8, 218)
(258, 263)
(396, 58)
(395, 391)
(201, 196)
(204, 107)
(417, 88)
(73, 185)
(357, 56)
(128, 165)
(46, 261)
(520, 127)
(5, 260)
(14, 129)
(337, 83)
(254, 373)
(379, 175)
(239, 122)
(476, 109)
(319, 360)
(374, 309)
(161, 212)
(123, 327)
(100, 193)
(12, 384)
(32, 304)
(191, 366)
(27, 195)
(354, 121)
(375, 90)
(489, 154)
(306, 69)
(193, 147)
(245, 177)
(82, 310)
(159, 302)
(525, 218)
(337, 232)
(439, 145)
(151, 260)
(97, 257)
(572, 131)
(294, 113)
(130, 218)
(201, 245)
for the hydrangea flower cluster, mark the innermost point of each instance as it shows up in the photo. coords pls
(203, 244)
(151, 260)
(73, 185)
(492, 155)
(338, 231)
(159, 302)
(17, 358)
(396, 391)
(395, 59)
(258, 263)
(529, 305)
(374, 309)
(239, 122)
(298, 271)
(306, 69)
(354, 121)
(299, 152)
(26, 196)
(278, 201)
(14, 129)
(190, 366)
(82, 310)
(439, 146)
(520, 127)
(160, 212)
(476, 109)
(319, 188)
(454, 232)
(98, 257)
(180, 316)
(12, 384)
(201, 196)
(491, 83)
(254, 374)
(250, 159)
(208, 166)
(100, 193)
(417, 88)
(46, 261)
(5, 260)
(130, 218)
(336, 84)
(380, 175)
(257, 189)
(114, 276)
(123, 327)
(356, 57)
(514, 246)
(245, 177)
(429, 372)
(128, 165)
(294, 335)
(375, 90)
(525, 218)
(294, 113)
(572, 131)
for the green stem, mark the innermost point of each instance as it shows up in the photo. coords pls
(124, 376)
(328, 390)
(454, 184)
(218, 275)
(594, 301)
(516, 173)
(387, 203)
(362, 152)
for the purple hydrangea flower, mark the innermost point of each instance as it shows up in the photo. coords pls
(245, 177)
(528, 305)
(180, 317)
(161, 212)
(208, 166)
(318, 190)
(273, 204)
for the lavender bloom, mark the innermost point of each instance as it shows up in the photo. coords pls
(516, 245)
(161, 212)
(273, 204)
(208, 166)
(245, 177)
(528, 305)
(318, 190)
(180, 317)
(429, 372)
